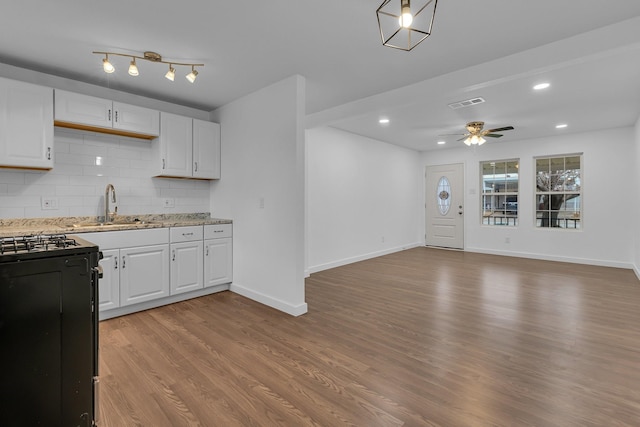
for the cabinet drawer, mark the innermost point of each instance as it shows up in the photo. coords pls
(216, 231)
(186, 234)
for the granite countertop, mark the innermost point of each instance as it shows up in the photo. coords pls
(70, 225)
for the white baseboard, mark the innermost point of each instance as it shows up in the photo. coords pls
(574, 260)
(637, 271)
(294, 310)
(350, 260)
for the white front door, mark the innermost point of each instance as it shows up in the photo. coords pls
(444, 206)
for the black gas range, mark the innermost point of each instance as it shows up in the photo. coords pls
(48, 331)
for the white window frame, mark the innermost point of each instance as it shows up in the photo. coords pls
(498, 211)
(566, 218)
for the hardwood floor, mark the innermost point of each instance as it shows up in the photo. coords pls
(424, 337)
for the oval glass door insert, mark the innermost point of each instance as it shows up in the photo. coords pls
(443, 195)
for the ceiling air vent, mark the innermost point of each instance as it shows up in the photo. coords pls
(466, 103)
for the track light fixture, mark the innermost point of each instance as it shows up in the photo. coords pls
(404, 24)
(192, 75)
(108, 67)
(133, 68)
(171, 74)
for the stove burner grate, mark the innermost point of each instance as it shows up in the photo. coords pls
(35, 243)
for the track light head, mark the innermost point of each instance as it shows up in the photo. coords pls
(107, 66)
(192, 75)
(171, 74)
(133, 68)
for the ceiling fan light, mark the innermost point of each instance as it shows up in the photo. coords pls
(133, 68)
(192, 75)
(171, 74)
(107, 66)
(474, 140)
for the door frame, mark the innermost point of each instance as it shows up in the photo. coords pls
(459, 201)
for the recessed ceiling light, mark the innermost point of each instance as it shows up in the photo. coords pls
(541, 86)
(561, 126)
(442, 142)
(383, 121)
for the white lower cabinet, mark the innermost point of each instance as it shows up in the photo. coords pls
(186, 259)
(109, 284)
(135, 266)
(144, 274)
(153, 267)
(218, 254)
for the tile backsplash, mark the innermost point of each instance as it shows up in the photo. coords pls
(84, 163)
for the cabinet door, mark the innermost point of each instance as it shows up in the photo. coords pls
(26, 125)
(109, 284)
(206, 149)
(218, 261)
(186, 266)
(176, 151)
(136, 119)
(144, 274)
(83, 109)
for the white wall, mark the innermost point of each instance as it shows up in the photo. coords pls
(609, 190)
(363, 198)
(262, 190)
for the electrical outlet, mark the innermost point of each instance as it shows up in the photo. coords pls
(169, 202)
(261, 203)
(49, 203)
(382, 239)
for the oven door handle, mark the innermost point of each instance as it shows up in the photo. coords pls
(99, 271)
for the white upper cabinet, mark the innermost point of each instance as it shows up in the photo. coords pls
(136, 119)
(175, 145)
(79, 111)
(188, 148)
(206, 149)
(26, 125)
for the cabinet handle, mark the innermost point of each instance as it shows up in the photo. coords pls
(196, 164)
(115, 264)
(207, 253)
(123, 262)
(48, 153)
(162, 163)
(116, 116)
(109, 114)
(174, 255)
(187, 234)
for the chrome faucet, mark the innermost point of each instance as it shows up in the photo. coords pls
(109, 216)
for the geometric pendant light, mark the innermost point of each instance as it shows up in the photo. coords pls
(404, 24)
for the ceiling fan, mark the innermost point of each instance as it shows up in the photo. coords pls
(475, 135)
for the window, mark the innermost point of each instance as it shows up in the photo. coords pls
(559, 191)
(500, 192)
